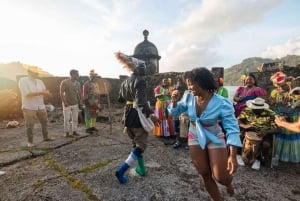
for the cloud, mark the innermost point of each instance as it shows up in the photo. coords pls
(291, 47)
(195, 41)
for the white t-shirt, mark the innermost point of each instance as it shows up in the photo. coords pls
(27, 86)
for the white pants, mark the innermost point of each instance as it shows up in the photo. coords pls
(71, 114)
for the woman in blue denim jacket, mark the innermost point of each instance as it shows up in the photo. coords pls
(213, 152)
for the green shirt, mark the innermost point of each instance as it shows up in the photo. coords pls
(223, 92)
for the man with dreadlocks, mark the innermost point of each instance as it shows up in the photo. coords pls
(133, 91)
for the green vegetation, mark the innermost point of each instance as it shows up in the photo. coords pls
(95, 166)
(232, 75)
(75, 183)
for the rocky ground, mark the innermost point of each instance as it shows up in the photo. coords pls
(82, 168)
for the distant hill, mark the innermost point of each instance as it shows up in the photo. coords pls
(232, 75)
(12, 70)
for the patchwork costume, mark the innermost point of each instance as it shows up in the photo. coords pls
(133, 91)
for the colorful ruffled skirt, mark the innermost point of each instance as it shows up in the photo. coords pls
(166, 127)
(287, 144)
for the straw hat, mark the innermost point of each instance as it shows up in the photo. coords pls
(32, 69)
(257, 103)
(295, 90)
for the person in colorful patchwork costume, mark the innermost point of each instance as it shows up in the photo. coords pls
(91, 98)
(133, 91)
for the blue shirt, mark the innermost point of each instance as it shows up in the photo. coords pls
(218, 108)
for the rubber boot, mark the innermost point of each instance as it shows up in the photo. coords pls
(140, 169)
(120, 173)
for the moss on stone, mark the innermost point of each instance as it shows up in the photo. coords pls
(95, 166)
(75, 183)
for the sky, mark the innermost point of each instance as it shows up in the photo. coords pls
(59, 35)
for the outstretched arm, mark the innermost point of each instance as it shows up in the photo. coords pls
(280, 121)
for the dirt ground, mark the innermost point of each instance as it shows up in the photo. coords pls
(82, 168)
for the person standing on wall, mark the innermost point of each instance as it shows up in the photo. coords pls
(91, 98)
(33, 91)
(71, 96)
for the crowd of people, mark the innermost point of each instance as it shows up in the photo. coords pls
(270, 117)
(219, 133)
(74, 95)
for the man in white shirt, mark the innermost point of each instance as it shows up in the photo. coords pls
(33, 91)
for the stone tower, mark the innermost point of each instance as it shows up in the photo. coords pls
(147, 51)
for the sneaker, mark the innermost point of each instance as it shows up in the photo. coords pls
(2, 172)
(176, 145)
(256, 165)
(186, 147)
(240, 160)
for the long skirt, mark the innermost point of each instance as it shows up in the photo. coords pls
(287, 143)
(166, 128)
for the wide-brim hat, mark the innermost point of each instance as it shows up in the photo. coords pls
(257, 104)
(32, 69)
(294, 90)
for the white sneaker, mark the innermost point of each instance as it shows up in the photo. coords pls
(256, 165)
(240, 160)
(2, 172)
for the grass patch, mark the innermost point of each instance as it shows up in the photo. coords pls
(46, 149)
(95, 166)
(75, 183)
(14, 150)
(39, 184)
